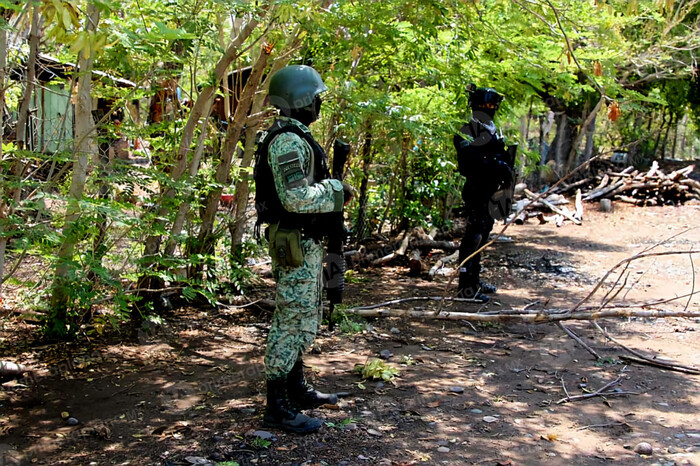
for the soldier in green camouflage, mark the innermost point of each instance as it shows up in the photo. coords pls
(293, 191)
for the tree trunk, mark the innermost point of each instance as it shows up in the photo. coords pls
(85, 148)
(242, 188)
(672, 119)
(23, 114)
(206, 239)
(661, 129)
(366, 163)
(563, 142)
(152, 244)
(3, 208)
(590, 141)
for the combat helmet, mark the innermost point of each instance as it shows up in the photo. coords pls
(484, 97)
(295, 87)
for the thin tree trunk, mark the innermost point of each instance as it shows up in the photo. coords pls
(242, 189)
(366, 163)
(661, 129)
(17, 166)
(206, 239)
(85, 149)
(671, 120)
(152, 243)
(590, 140)
(4, 209)
(23, 114)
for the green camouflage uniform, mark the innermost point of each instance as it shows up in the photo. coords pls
(298, 299)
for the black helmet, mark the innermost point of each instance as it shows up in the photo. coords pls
(295, 87)
(484, 98)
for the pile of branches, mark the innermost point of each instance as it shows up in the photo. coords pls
(646, 188)
(550, 208)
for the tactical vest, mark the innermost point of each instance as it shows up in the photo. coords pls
(267, 203)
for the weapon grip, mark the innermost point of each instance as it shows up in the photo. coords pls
(341, 150)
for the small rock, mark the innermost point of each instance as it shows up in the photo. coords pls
(374, 432)
(71, 421)
(644, 448)
(362, 458)
(198, 460)
(385, 354)
(443, 450)
(395, 331)
(457, 389)
(380, 385)
(248, 410)
(385, 462)
(264, 435)
(216, 456)
(476, 411)
(351, 426)
(218, 438)
(679, 435)
(490, 419)
(443, 443)
(432, 424)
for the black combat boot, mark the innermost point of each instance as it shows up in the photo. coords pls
(487, 287)
(280, 413)
(473, 293)
(303, 395)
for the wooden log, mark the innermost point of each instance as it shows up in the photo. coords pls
(579, 205)
(11, 369)
(681, 173)
(553, 208)
(653, 170)
(415, 265)
(432, 244)
(549, 315)
(442, 262)
(596, 194)
(401, 251)
(627, 199)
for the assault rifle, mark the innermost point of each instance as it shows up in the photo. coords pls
(334, 263)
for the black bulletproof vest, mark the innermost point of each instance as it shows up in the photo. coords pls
(267, 203)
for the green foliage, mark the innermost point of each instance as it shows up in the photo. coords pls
(396, 72)
(377, 370)
(342, 424)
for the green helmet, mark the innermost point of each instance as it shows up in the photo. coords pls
(295, 87)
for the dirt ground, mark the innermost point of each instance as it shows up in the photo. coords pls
(192, 391)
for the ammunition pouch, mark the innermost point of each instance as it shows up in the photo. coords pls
(285, 246)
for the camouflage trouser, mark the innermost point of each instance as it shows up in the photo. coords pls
(298, 311)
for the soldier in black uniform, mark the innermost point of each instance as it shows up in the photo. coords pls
(482, 159)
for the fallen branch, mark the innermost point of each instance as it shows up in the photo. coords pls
(650, 361)
(659, 365)
(578, 340)
(600, 392)
(534, 317)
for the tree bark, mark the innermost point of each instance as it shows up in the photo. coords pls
(85, 149)
(4, 209)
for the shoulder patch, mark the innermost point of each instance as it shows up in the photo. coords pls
(290, 167)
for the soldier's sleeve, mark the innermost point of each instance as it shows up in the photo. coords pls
(290, 159)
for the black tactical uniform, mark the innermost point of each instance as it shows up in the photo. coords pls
(481, 155)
